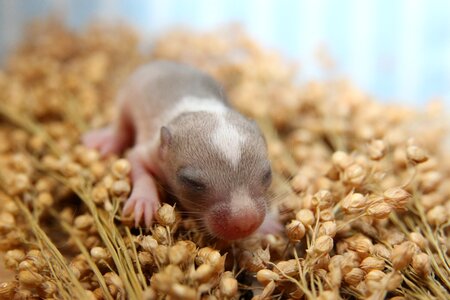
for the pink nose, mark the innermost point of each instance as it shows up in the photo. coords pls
(232, 225)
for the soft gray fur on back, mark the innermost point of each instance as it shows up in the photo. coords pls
(162, 84)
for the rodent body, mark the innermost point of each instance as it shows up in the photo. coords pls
(184, 135)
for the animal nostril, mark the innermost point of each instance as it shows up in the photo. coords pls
(232, 225)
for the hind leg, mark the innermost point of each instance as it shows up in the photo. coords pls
(112, 139)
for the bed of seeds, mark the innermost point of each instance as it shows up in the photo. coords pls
(362, 188)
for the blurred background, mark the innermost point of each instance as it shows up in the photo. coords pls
(396, 50)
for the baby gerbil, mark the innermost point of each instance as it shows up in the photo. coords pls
(185, 135)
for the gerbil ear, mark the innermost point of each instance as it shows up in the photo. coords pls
(165, 140)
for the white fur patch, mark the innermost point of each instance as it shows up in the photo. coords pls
(228, 141)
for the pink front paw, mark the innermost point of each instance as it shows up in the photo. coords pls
(143, 208)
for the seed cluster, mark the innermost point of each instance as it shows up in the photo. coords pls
(362, 188)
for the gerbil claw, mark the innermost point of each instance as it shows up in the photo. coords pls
(142, 209)
(148, 214)
(138, 212)
(129, 206)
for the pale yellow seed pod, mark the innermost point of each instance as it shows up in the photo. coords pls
(360, 243)
(335, 262)
(13, 258)
(178, 254)
(381, 250)
(97, 169)
(328, 228)
(20, 183)
(99, 253)
(29, 278)
(393, 281)
(265, 276)
(376, 149)
(295, 230)
(50, 162)
(375, 275)
(204, 253)
(395, 195)
(49, 288)
(161, 235)
(112, 278)
(83, 221)
(299, 183)
(251, 261)
(148, 243)
(70, 169)
(100, 194)
(288, 267)
(45, 199)
(306, 216)
(176, 273)
(421, 264)
(326, 215)
(416, 154)
(120, 188)
(203, 273)
(328, 295)
(145, 258)
(11, 208)
(88, 157)
(354, 277)
(228, 287)
(354, 202)
(161, 254)
(7, 221)
(26, 265)
(268, 290)
(430, 181)
(8, 289)
(98, 293)
(179, 291)
(166, 215)
(402, 255)
(27, 294)
(335, 277)
(149, 294)
(80, 267)
(323, 244)
(437, 215)
(418, 239)
(322, 199)
(379, 210)
(162, 282)
(372, 263)
(354, 174)
(121, 168)
(341, 160)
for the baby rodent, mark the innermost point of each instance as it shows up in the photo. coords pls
(184, 134)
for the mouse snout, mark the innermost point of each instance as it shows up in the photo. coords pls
(236, 221)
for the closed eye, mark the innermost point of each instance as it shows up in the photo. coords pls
(192, 183)
(267, 177)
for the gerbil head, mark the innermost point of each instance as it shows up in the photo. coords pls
(216, 164)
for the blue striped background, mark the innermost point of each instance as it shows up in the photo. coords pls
(397, 50)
